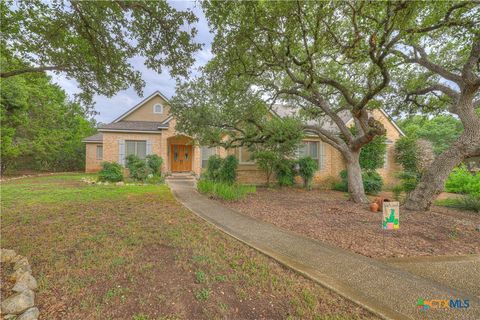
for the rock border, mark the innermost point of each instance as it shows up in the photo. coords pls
(20, 305)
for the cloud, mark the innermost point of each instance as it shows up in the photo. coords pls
(110, 108)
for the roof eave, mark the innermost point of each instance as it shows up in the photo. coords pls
(138, 105)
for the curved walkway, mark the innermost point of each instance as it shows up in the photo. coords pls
(381, 288)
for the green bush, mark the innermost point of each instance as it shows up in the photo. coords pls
(110, 172)
(228, 170)
(372, 182)
(469, 202)
(223, 190)
(154, 162)
(307, 169)
(372, 155)
(214, 164)
(138, 168)
(266, 161)
(461, 180)
(285, 172)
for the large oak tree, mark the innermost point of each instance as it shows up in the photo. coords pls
(94, 42)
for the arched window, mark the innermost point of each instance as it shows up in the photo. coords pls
(158, 108)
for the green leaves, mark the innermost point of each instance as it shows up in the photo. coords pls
(94, 41)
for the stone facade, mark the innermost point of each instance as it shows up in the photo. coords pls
(249, 173)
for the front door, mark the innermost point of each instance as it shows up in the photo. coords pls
(181, 157)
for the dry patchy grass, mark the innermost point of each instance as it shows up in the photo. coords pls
(132, 252)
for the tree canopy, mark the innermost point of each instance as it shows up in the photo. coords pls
(94, 42)
(40, 128)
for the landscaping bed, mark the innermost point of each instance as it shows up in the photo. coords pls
(329, 217)
(133, 252)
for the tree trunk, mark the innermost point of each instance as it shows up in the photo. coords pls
(467, 145)
(354, 175)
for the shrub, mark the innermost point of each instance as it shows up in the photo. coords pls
(111, 172)
(461, 180)
(154, 162)
(138, 168)
(307, 168)
(228, 170)
(372, 182)
(214, 164)
(285, 172)
(405, 153)
(372, 155)
(266, 161)
(224, 191)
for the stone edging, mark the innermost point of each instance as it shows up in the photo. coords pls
(21, 305)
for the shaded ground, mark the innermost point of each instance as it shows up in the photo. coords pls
(328, 216)
(133, 252)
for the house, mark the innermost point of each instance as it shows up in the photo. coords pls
(148, 128)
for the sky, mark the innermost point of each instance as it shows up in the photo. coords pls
(110, 108)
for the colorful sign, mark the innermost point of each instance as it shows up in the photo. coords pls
(424, 304)
(391, 214)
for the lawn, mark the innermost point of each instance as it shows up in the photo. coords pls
(328, 216)
(133, 252)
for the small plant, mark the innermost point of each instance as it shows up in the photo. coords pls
(470, 202)
(155, 162)
(111, 172)
(203, 294)
(214, 164)
(285, 172)
(266, 161)
(138, 168)
(224, 191)
(461, 180)
(228, 170)
(372, 182)
(200, 277)
(307, 169)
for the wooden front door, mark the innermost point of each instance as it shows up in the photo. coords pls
(181, 157)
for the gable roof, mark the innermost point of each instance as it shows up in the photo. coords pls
(140, 126)
(156, 93)
(326, 123)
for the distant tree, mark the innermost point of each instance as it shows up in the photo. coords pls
(440, 130)
(41, 129)
(93, 42)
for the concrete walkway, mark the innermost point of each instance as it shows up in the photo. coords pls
(385, 290)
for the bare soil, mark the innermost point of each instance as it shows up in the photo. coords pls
(328, 216)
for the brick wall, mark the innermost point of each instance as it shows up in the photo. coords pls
(92, 164)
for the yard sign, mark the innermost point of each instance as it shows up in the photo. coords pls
(391, 213)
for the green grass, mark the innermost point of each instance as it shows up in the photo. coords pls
(465, 202)
(225, 191)
(44, 191)
(126, 252)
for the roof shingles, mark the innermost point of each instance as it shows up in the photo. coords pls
(134, 126)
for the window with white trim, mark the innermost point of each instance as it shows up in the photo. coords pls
(314, 149)
(245, 156)
(136, 147)
(158, 108)
(206, 153)
(99, 152)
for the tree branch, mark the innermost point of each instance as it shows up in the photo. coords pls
(29, 70)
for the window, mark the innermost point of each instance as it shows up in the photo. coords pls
(99, 152)
(158, 108)
(314, 149)
(136, 147)
(245, 156)
(207, 152)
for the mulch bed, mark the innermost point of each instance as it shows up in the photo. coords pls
(328, 216)
(6, 282)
